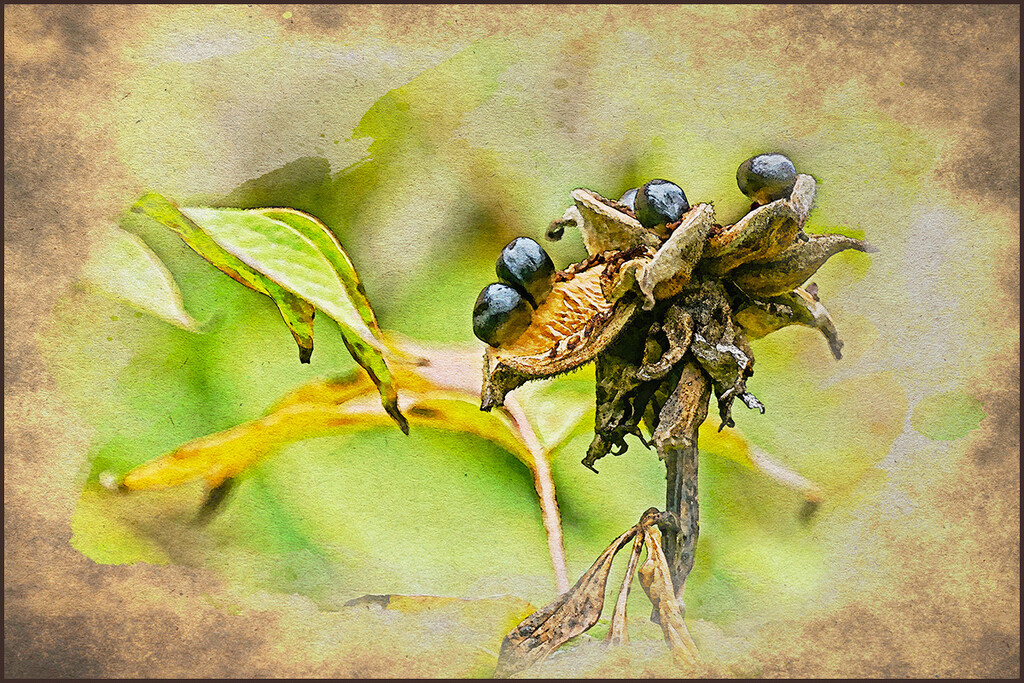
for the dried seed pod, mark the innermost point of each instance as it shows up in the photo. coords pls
(761, 234)
(799, 307)
(794, 266)
(573, 325)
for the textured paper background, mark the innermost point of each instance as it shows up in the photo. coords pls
(939, 588)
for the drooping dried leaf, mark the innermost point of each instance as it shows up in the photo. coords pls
(656, 579)
(617, 633)
(571, 614)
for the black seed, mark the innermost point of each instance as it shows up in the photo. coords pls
(629, 199)
(766, 177)
(555, 231)
(526, 266)
(500, 314)
(659, 202)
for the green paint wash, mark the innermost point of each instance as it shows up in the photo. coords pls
(948, 416)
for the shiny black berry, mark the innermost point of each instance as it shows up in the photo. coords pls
(766, 177)
(526, 266)
(500, 314)
(629, 198)
(659, 202)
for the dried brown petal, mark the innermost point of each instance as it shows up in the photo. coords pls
(678, 329)
(684, 410)
(621, 394)
(793, 266)
(617, 634)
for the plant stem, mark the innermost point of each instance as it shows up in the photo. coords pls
(545, 487)
(681, 477)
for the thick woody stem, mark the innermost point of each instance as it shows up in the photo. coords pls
(694, 390)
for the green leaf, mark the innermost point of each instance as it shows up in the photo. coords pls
(297, 314)
(284, 255)
(293, 258)
(123, 267)
(366, 355)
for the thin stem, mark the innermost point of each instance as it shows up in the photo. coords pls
(545, 487)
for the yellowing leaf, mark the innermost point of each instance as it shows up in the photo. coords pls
(443, 394)
(219, 456)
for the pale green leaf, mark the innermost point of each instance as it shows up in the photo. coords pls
(123, 267)
(297, 314)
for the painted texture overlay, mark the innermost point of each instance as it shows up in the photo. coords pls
(427, 138)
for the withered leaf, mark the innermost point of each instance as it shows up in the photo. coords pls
(656, 579)
(571, 614)
(617, 634)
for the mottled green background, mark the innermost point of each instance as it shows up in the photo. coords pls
(909, 118)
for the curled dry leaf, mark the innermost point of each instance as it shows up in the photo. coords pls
(656, 579)
(617, 634)
(571, 614)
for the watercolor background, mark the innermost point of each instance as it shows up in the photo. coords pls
(909, 118)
